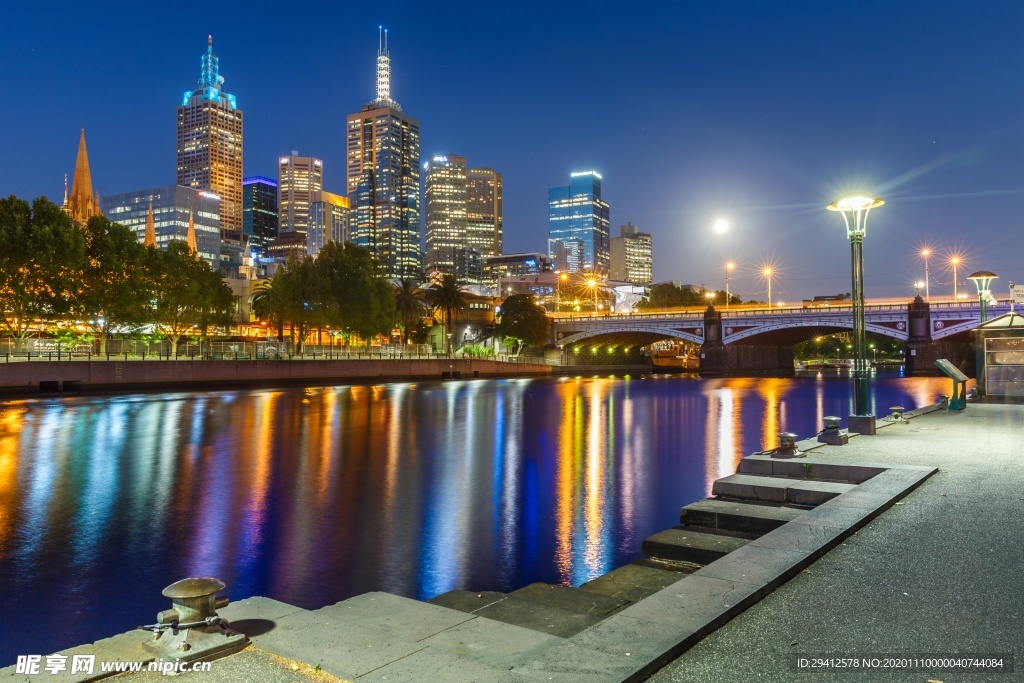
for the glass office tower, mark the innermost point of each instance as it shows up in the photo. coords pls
(578, 225)
(259, 212)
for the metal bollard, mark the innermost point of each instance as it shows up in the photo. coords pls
(191, 629)
(787, 446)
(832, 434)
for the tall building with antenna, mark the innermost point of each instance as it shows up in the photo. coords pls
(210, 150)
(383, 177)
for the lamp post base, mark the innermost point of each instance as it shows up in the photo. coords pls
(861, 424)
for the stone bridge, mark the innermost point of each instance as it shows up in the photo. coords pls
(918, 324)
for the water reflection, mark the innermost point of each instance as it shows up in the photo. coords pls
(313, 495)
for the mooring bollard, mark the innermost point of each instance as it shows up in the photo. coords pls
(832, 434)
(192, 629)
(787, 446)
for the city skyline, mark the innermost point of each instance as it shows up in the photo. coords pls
(937, 132)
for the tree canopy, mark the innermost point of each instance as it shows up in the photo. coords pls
(523, 319)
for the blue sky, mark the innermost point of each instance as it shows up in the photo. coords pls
(756, 112)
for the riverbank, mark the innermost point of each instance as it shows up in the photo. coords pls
(49, 377)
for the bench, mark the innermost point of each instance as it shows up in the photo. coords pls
(958, 399)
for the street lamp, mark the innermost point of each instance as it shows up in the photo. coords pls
(767, 272)
(561, 278)
(955, 261)
(710, 296)
(728, 266)
(592, 284)
(983, 281)
(927, 294)
(917, 288)
(855, 215)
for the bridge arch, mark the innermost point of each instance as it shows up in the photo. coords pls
(635, 335)
(797, 330)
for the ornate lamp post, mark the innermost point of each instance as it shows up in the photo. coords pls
(767, 272)
(983, 281)
(855, 215)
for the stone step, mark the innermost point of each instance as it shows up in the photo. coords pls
(393, 616)
(571, 598)
(467, 601)
(778, 489)
(633, 582)
(751, 518)
(691, 545)
(538, 616)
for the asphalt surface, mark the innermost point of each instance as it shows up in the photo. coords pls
(941, 573)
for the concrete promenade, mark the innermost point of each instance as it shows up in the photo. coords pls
(115, 375)
(942, 573)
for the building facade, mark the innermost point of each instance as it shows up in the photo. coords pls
(259, 212)
(445, 203)
(328, 221)
(484, 223)
(173, 206)
(383, 178)
(209, 147)
(578, 220)
(632, 256)
(513, 265)
(300, 180)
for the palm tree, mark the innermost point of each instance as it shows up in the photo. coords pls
(448, 296)
(268, 303)
(411, 303)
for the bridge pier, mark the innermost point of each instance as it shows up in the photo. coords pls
(740, 360)
(922, 351)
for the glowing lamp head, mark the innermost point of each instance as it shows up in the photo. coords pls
(926, 252)
(721, 225)
(730, 265)
(982, 280)
(767, 271)
(955, 260)
(855, 207)
(591, 282)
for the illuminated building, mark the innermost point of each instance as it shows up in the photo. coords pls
(383, 157)
(259, 212)
(632, 256)
(512, 265)
(328, 221)
(445, 199)
(578, 219)
(209, 151)
(172, 208)
(300, 180)
(484, 227)
(83, 203)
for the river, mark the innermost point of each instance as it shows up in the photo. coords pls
(310, 496)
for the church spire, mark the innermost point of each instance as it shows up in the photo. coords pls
(150, 228)
(190, 237)
(83, 204)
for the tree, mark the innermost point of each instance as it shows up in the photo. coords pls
(216, 301)
(411, 304)
(41, 258)
(448, 296)
(356, 296)
(269, 303)
(186, 292)
(115, 289)
(523, 319)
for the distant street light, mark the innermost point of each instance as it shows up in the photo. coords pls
(855, 215)
(767, 272)
(955, 261)
(983, 281)
(728, 266)
(927, 294)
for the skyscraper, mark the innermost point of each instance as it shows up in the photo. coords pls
(328, 221)
(170, 208)
(484, 225)
(445, 198)
(210, 146)
(300, 179)
(632, 256)
(83, 203)
(259, 211)
(383, 157)
(578, 224)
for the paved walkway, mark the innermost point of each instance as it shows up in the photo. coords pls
(940, 573)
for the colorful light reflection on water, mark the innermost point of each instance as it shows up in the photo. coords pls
(311, 496)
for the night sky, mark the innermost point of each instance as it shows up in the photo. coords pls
(756, 112)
